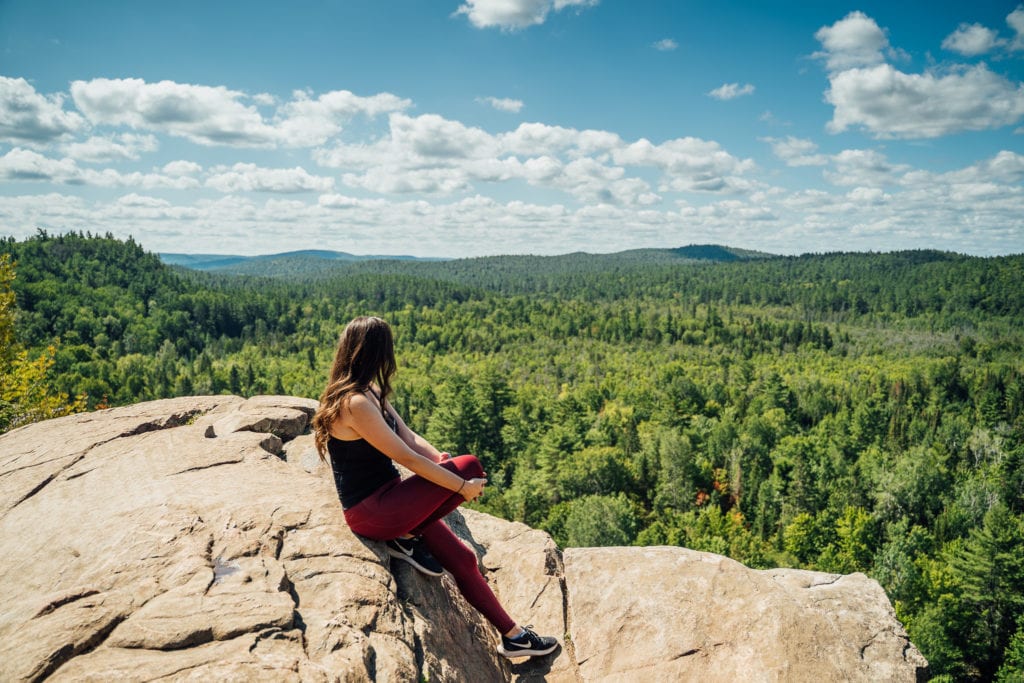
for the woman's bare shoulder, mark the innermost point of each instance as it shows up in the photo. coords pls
(361, 401)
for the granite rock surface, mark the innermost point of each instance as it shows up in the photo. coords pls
(201, 538)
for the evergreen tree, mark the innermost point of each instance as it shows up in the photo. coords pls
(990, 567)
(26, 393)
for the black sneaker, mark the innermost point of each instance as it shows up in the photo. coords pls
(529, 644)
(415, 553)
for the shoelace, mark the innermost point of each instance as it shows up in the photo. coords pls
(528, 634)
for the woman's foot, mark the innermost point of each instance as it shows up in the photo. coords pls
(413, 551)
(527, 644)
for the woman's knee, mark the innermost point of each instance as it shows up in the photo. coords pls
(469, 466)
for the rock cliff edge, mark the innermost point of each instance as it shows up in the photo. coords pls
(200, 538)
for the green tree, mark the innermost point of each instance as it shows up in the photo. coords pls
(455, 421)
(897, 565)
(804, 538)
(593, 521)
(26, 394)
(1012, 670)
(990, 567)
(855, 542)
(594, 469)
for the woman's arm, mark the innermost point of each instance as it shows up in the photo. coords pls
(414, 440)
(366, 420)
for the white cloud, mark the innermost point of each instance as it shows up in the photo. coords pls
(25, 165)
(396, 180)
(890, 103)
(972, 39)
(127, 146)
(502, 103)
(251, 178)
(25, 213)
(428, 174)
(134, 199)
(136, 208)
(589, 178)
(880, 205)
(864, 168)
(430, 154)
(538, 139)
(306, 122)
(869, 93)
(427, 154)
(505, 14)
(854, 41)
(1015, 20)
(967, 210)
(1005, 168)
(730, 91)
(691, 163)
(203, 114)
(665, 45)
(796, 151)
(975, 39)
(217, 116)
(767, 116)
(733, 210)
(339, 201)
(110, 178)
(26, 117)
(511, 15)
(181, 167)
(542, 170)
(359, 156)
(431, 135)
(867, 195)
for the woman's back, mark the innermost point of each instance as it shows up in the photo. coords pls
(359, 469)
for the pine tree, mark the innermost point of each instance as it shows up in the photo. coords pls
(990, 567)
(26, 394)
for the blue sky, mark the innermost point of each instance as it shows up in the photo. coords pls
(476, 127)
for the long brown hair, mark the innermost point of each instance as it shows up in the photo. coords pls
(365, 354)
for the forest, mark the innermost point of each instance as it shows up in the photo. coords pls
(840, 412)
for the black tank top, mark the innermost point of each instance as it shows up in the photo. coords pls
(359, 468)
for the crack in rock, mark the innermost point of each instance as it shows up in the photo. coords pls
(168, 422)
(66, 598)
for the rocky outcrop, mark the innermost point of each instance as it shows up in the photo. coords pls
(708, 617)
(201, 539)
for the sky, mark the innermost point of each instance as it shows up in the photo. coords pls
(460, 128)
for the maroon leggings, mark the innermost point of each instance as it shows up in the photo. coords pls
(417, 506)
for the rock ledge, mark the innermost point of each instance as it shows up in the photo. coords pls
(200, 538)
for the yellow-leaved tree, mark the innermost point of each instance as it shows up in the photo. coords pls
(25, 393)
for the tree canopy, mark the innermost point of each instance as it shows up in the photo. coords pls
(837, 412)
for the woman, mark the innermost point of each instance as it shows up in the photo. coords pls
(364, 436)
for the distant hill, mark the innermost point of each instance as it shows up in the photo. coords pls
(313, 264)
(714, 252)
(291, 264)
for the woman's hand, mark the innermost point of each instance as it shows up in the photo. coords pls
(473, 488)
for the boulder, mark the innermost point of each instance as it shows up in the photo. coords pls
(674, 614)
(201, 538)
